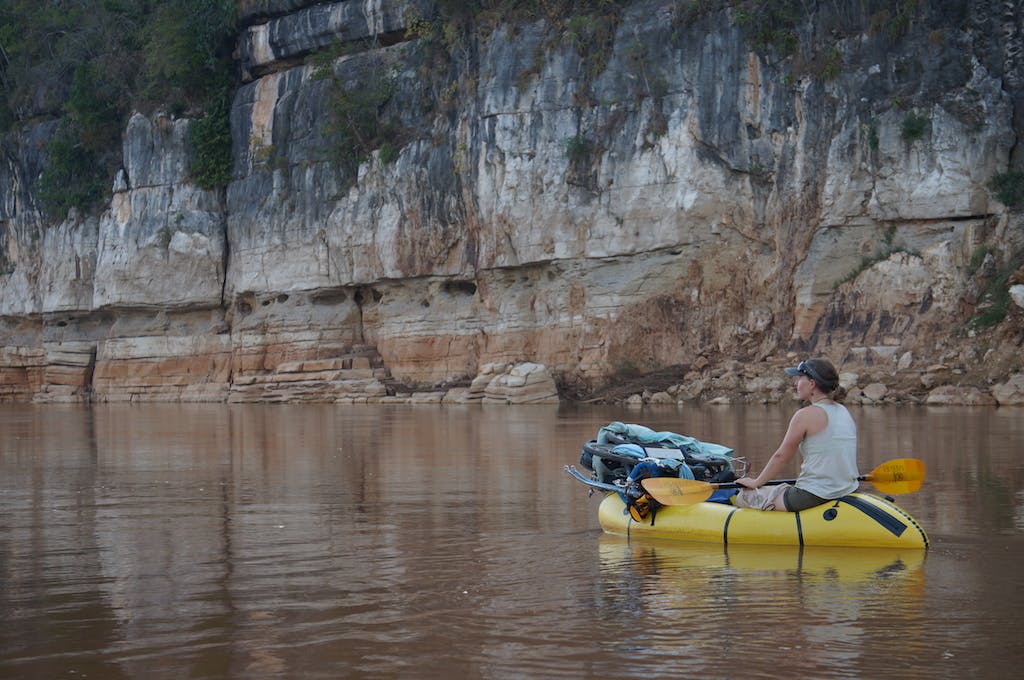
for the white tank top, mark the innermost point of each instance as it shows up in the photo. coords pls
(829, 468)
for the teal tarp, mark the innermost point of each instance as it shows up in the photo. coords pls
(644, 435)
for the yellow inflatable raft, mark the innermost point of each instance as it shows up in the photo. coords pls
(857, 520)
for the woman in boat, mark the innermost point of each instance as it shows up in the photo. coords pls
(826, 437)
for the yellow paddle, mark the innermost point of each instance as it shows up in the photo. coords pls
(900, 475)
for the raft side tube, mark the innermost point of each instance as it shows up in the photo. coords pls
(857, 520)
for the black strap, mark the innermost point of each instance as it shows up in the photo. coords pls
(888, 521)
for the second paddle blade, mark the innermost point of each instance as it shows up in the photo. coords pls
(673, 491)
(903, 475)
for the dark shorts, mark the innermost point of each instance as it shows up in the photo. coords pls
(798, 499)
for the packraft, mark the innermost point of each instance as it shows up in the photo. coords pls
(624, 458)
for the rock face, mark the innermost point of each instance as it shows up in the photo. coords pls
(960, 396)
(668, 197)
(1010, 393)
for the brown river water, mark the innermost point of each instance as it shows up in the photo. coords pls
(272, 541)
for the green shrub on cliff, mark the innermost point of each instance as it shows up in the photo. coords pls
(187, 50)
(914, 127)
(96, 116)
(84, 153)
(357, 121)
(88, 63)
(995, 302)
(210, 138)
(770, 25)
(71, 178)
(1009, 187)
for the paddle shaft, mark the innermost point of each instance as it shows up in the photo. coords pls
(901, 475)
(734, 485)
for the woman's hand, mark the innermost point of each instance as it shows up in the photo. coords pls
(747, 482)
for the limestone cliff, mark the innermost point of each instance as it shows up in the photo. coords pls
(667, 196)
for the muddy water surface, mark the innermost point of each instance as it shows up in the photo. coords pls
(180, 541)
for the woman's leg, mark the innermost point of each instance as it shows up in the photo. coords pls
(764, 498)
(796, 499)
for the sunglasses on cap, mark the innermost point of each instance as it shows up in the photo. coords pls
(804, 368)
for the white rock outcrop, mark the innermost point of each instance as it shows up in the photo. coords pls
(525, 383)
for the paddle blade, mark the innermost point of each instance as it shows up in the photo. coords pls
(673, 491)
(901, 475)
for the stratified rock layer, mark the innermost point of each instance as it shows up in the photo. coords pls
(669, 198)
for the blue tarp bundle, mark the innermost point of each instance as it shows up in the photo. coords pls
(677, 467)
(640, 434)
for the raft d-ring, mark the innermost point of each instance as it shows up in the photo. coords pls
(830, 514)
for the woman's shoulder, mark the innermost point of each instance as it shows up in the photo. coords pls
(811, 415)
(832, 411)
(819, 406)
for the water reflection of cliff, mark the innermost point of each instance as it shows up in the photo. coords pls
(267, 506)
(219, 540)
